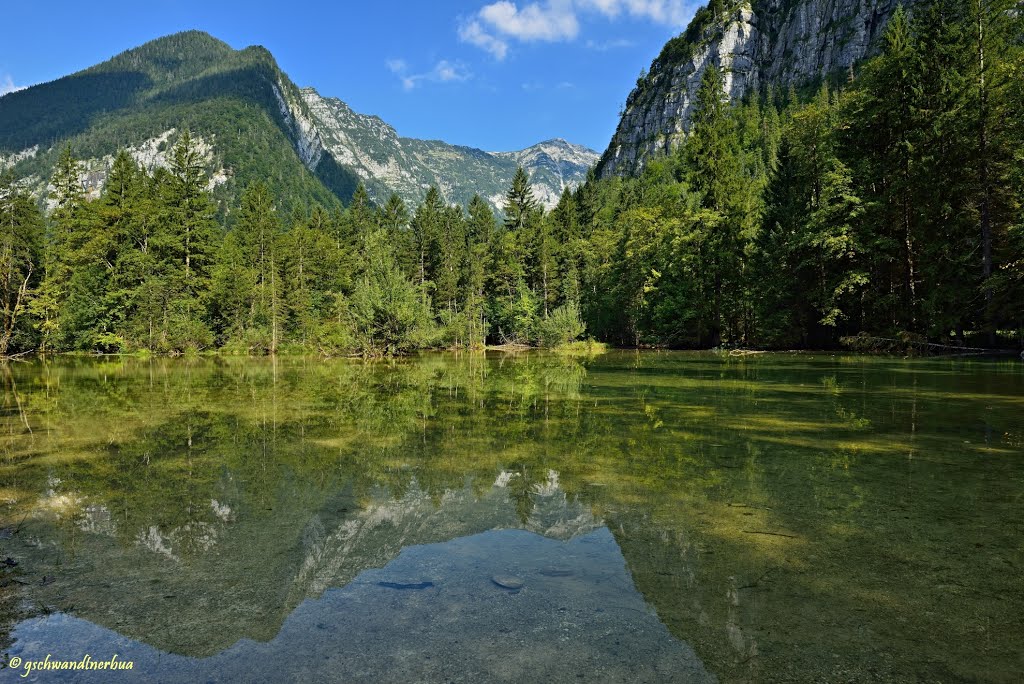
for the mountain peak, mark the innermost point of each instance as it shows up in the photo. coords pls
(196, 49)
(230, 98)
(387, 162)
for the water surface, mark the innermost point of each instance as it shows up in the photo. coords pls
(632, 517)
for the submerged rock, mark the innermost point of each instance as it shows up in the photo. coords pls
(403, 585)
(556, 572)
(510, 582)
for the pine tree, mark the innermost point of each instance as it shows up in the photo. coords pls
(256, 234)
(713, 173)
(886, 142)
(480, 228)
(192, 211)
(513, 302)
(111, 254)
(426, 225)
(994, 39)
(520, 204)
(566, 233)
(388, 313)
(394, 217)
(65, 231)
(21, 243)
(447, 256)
(309, 262)
(360, 216)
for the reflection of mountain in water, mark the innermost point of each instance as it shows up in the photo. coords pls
(378, 532)
(434, 613)
(197, 588)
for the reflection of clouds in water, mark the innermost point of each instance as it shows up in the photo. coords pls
(680, 499)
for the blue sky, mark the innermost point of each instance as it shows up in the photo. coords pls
(496, 75)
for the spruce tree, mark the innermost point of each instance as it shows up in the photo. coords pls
(184, 246)
(426, 225)
(713, 173)
(256, 233)
(21, 244)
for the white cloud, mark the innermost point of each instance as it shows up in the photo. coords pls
(7, 86)
(443, 72)
(473, 33)
(553, 21)
(494, 25)
(670, 12)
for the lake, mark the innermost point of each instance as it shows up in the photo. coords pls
(636, 516)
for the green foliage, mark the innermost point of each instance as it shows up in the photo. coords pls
(889, 207)
(21, 242)
(562, 327)
(389, 314)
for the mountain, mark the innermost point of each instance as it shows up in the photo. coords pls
(388, 162)
(142, 98)
(755, 43)
(254, 123)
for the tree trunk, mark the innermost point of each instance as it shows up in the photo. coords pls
(985, 208)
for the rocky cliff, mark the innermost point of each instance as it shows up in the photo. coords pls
(754, 43)
(388, 162)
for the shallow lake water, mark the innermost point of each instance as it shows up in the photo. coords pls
(636, 516)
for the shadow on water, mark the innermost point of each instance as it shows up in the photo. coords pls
(787, 517)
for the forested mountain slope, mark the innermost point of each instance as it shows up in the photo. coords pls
(253, 123)
(247, 112)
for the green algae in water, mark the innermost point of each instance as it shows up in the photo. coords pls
(778, 517)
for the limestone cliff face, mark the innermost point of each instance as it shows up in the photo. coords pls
(753, 43)
(388, 162)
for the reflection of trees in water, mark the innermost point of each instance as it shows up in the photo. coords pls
(220, 481)
(865, 465)
(147, 438)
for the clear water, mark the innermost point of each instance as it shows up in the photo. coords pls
(630, 517)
